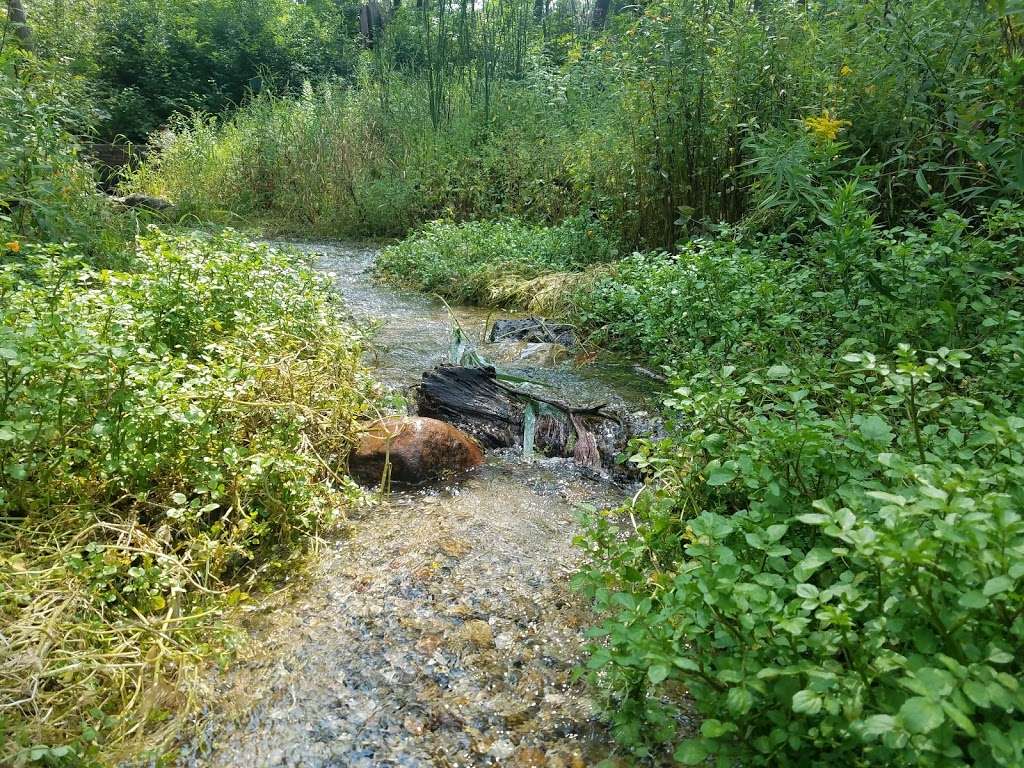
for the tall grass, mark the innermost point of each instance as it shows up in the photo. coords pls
(678, 117)
(331, 162)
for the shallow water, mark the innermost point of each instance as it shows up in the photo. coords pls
(416, 332)
(442, 630)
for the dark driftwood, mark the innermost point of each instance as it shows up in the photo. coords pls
(533, 329)
(474, 400)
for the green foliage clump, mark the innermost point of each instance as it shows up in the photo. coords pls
(144, 60)
(764, 299)
(330, 161)
(46, 191)
(169, 435)
(828, 559)
(672, 119)
(465, 262)
(830, 564)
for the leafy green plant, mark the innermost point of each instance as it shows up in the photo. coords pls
(46, 191)
(828, 558)
(830, 565)
(466, 262)
(170, 436)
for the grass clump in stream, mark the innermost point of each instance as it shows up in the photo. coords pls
(483, 262)
(169, 437)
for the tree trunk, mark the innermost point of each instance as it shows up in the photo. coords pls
(600, 13)
(371, 22)
(18, 19)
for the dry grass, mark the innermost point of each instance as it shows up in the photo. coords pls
(69, 662)
(118, 591)
(549, 295)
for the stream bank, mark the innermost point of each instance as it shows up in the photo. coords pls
(442, 632)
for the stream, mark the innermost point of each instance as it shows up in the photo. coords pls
(441, 630)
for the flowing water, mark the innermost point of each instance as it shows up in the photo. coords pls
(441, 631)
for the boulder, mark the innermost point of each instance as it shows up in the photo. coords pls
(419, 449)
(533, 329)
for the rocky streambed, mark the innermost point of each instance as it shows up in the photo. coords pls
(442, 630)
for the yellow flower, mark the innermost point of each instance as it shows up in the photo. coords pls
(14, 246)
(845, 71)
(824, 126)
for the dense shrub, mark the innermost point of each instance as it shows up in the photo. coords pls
(674, 118)
(329, 161)
(46, 191)
(144, 60)
(830, 564)
(828, 559)
(466, 262)
(167, 434)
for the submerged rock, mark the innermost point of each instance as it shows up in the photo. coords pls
(532, 329)
(533, 353)
(419, 449)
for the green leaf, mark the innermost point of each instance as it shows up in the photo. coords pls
(877, 725)
(713, 729)
(808, 591)
(739, 700)
(973, 599)
(778, 372)
(875, 429)
(807, 702)
(812, 561)
(977, 692)
(691, 752)
(921, 715)
(657, 673)
(997, 585)
(814, 518)
(720, 475)
(959, 718)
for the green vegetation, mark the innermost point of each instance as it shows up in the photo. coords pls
(46, 192)
(828, 557)
(809, 214)
(169, 434)
(136, 62)
(484, 261)
(666, 123)
(175, 416)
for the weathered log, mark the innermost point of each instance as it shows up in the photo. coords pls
(532, 329)
(501, 416)
(472, 399)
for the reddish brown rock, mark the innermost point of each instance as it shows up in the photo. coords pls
(419, 450)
